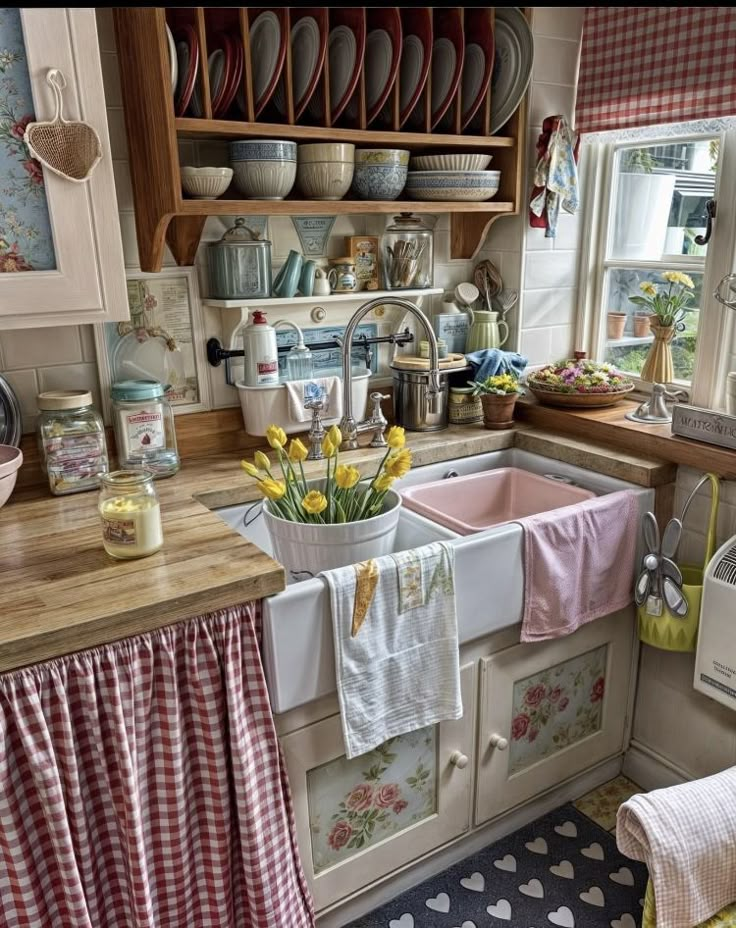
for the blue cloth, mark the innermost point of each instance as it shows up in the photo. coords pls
(491, 361)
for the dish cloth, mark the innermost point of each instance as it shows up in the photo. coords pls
(686, 835)
(397, 665)
(299, 391)
(491, 361)
(578, 564)
(555, 176)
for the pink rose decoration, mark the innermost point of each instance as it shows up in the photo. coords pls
(360, 798)
(535, 694)
(519, 726)
(599, 687)
(34, 170)
(387, 795)
(340, 835)
(564, 703)
(399, 806)
(555, 694)
(533, 732)
(17, 130)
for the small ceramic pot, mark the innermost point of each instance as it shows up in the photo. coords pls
(642, 325)
(498, 410)
(616, 325)
(321, 283)
(342, 277)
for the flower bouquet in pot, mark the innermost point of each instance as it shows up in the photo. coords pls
(667, 305)
(498, 395)
(331, 521)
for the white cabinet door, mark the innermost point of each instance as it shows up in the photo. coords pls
(61, 256)
(359, 820)
(549, 710)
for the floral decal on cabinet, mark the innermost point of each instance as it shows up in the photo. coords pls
(358, 802)
(556, 708)
(26, 241)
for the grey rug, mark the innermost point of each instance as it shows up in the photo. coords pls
(562, 870)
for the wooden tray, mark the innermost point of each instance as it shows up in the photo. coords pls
(553, 398)
(414, 362)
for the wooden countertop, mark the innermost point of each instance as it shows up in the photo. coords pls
(62, 593)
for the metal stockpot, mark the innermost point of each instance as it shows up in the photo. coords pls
(414, 408)
(239, 264)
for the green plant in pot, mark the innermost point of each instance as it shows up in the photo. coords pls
(498, 395)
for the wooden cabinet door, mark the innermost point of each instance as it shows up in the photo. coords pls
(358, 820)
(59, 238)
(549, 710)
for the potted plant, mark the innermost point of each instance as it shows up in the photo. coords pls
(331, 521)
(616, 325)
(642, 324)
(498, 395)
(667, 305)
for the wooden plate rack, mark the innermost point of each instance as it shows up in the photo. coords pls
(165, 216)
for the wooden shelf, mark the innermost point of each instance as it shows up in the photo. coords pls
(359, 296)
(162, 214)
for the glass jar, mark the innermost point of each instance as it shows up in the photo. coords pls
(144, 427)
(130, 513)
(407, 254)
(71, 441)
(463, 408)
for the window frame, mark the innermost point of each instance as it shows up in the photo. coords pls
(716, 329)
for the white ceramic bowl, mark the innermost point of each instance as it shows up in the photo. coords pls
(382, 156)
(326, 151)
(450, 162)
(265, 180)
(10, 460)
(325, 180)
(452, 186)
(205, 183)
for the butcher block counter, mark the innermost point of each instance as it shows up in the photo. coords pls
(62, 593)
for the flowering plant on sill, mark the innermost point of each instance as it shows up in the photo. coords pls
(580, 376)
(343, 495)
(668, 304)
(497, 385)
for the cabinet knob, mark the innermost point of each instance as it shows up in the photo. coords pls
(459, 760)
(499, 742)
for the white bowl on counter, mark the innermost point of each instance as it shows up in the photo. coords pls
(465, 186)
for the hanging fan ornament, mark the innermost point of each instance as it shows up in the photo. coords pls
(69, 148)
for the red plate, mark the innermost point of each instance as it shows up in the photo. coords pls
(322, 16)
(417, 21)
(449, 26)
(234, 57)
(227, 72)
(478, 31)
(354, 19)
(387, 18)
(188, 35)
(281, 15)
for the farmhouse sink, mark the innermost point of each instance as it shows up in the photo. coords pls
(298, 654)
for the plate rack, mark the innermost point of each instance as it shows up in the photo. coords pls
(165, 216)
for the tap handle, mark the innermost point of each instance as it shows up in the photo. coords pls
(377, 412)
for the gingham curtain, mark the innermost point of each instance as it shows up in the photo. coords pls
(142, 786)
(644, 66)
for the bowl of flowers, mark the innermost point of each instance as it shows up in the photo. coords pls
(580, 383)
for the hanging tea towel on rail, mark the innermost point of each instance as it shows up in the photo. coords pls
(556, 175)
(394, 627)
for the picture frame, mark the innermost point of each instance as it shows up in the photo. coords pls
(165, 310)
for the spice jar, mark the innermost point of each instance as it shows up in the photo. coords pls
(144, 427)
(407, 254)
(71, 441)
(131, 514)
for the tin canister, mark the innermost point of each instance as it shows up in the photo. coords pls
(239, 264)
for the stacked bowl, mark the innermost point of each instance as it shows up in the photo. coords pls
(325, 170)
(452, 177)
(263, 169)
(380, 173)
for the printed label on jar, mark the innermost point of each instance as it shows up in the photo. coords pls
(119, 531)
(145, 430)
(267, 371)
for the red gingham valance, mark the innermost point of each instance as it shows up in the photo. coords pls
(644, 66)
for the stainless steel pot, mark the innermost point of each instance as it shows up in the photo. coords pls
(239, 264)
(414, 407)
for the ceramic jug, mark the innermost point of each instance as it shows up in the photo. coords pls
(485, 331)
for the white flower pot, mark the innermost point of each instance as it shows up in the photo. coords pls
(305, 549)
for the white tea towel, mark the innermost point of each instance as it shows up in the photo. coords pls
(397, 670)
(299, 391)
(686, 835)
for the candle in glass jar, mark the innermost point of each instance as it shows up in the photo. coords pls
(131, 515)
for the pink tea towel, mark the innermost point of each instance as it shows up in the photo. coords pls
(578, 564)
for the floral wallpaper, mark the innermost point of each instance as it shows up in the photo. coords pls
(556, 708)
(26, 242)
(358, 802)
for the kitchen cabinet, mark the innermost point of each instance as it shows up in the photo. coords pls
(60, 238)
(549, 710)
(359, 820)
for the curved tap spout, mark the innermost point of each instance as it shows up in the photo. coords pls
(348, 426)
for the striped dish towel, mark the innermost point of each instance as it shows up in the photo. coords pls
(686, 835)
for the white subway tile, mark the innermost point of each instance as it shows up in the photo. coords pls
(562, 22)
(535, 346)
(123, 185)
(71, 377)
(550, 100)
(536, 240)
(561, 342)
(568, 232)
(117, 132)
(87, 337)
(556, 61)
(111, 79)
(130, 240)
(549, 307)
(510, 268)
(505, 234)
(24, 348)
(545, 269)
(25, 386)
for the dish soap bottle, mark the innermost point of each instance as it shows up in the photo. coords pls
(261, 352)
(299, 363)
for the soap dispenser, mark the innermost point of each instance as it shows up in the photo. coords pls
(299, 364)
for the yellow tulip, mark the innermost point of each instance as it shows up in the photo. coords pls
(383, 482)
(275, 436)
(297, 451)
(398, 464)
(262, 460)
(346, 476)
(335, 436)
(314, 502)
(328, 448)
(396, 438)
(250, 469)
(273, 489)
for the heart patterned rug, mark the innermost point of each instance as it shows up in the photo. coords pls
(562, 870)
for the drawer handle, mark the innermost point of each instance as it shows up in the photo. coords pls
(499, 742)
(459, 760)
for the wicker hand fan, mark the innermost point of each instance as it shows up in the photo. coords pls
(68, 148)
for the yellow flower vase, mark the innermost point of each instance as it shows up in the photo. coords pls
(658, 367)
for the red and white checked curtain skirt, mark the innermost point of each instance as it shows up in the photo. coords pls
(142, 786)
(645, 66)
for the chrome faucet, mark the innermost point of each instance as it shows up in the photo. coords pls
(348, 426)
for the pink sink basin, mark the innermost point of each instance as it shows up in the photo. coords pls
(477, 502)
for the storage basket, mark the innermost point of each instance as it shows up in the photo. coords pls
(669, 632)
